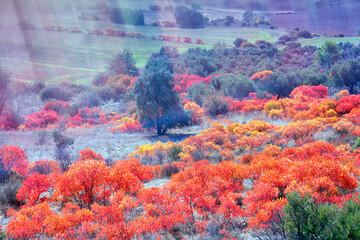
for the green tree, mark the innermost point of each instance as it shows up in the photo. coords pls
(123, 63)
(328, 54)
(347, 74)
(199, 91)
(157, 101)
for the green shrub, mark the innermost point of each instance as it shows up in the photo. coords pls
(357, 144)
(100, 79)
(52, 93)
(173, 153)
(62, 153)
(110, 92)
(8, 191)
(303, 218)
(168, 170)
(304, 34)
(89, 100)
(199, 91)
(215, 105)
(236, 86)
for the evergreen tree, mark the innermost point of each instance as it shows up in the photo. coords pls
(156, 99)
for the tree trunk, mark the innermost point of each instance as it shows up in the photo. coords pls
(158, 126)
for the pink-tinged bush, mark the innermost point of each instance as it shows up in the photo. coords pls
(183, 81)
(168, 24)
(41, 119)
(251, 104)
(310, 91)
(187, 40)
(166, 38)
(95, 31)
(199, 41)
(50, 27)
(58, 106)
(9, 121)
(114, 33)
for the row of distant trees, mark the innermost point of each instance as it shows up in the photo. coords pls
(185, 17)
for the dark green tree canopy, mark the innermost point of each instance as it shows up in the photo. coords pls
(157, 101)
(328, 54)
(188, 18)
(347, 74)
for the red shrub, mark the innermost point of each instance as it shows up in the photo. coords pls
(58, 106)
(41, 119)
(309, 91)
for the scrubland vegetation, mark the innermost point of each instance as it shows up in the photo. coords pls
(278, 156)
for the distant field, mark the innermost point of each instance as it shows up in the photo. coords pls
(57, 56)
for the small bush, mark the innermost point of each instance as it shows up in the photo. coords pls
(100, 79)
(37, 87)
(26, 25)
(54, 93)
(8, 193)
(215, 105)
(357, 144)
(62, 153)
(174, 152)
(239, 41)
(10, 120)
(168, 170)
(304, 34)
(199, 91)
(58, 106)
(155, 7)
(187, 40)
(156, 23)
(227, 23)
(44, 166)
(89, 100)
(230, 18)
(111, 92)
(41, 136)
